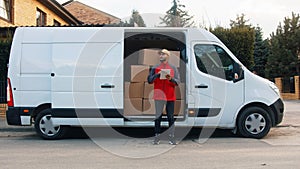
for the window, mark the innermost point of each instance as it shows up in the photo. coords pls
(6, 9)
(56, 23)
(213, 60)
(40, 18)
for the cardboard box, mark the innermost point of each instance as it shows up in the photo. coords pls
(139, 73)
(148, 91)
(174, 59)
(149, 107)
(180, 91)
(151, 57)
(133, 106)
(133, 90)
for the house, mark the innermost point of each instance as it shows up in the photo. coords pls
(89, 15)
(34, 13)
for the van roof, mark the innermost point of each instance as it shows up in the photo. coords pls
(83, 34)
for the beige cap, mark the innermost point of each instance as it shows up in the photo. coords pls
(165, 51)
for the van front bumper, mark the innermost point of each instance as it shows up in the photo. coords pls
(278, 109)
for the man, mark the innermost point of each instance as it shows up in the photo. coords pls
(165, 77)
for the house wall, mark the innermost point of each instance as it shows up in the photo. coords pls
(24, 14)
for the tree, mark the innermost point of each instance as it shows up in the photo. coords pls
(177, 17)
(240, 22)
(285, 49)
(261, 53)
(281, 62)
(239, 39)
(4, 56)
(5, 45)
(136, 19)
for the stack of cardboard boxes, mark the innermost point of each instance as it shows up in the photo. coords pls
(139, 93)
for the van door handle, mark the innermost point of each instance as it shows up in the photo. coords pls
(201, 86)
(107, 86)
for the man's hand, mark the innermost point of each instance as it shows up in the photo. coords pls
(168, 77)
(236, 76)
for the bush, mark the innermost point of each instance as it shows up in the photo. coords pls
(5, 46)
(240, 41)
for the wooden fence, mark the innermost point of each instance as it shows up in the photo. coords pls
(290, 88)
(2, 98)
(2, 110)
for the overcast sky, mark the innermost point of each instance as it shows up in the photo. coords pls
(265, 13)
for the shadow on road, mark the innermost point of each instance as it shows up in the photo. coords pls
(194, 133)
(106, 132)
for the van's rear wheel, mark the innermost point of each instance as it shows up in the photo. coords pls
(46, 129)
(254, 122)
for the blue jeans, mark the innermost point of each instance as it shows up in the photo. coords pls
(159, 106)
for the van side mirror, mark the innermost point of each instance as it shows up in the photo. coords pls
(238, 72)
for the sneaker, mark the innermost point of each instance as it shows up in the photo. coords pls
(156, 139)
(172, 140)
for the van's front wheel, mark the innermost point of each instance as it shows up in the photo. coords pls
(46, 129)
(254, 122)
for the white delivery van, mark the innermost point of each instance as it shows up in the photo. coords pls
(81, 76)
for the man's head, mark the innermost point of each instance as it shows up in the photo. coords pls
(164, 55)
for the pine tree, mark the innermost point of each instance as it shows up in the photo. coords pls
(285, 49)
(261, 52)
(177, 17)
(281, 62)
(240, 22)
(5, 46)
(136, 19)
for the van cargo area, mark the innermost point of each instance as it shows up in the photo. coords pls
(140, 54)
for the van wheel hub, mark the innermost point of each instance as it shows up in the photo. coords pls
(47, 127)
(255, 123)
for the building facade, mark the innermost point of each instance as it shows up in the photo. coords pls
(34, 13)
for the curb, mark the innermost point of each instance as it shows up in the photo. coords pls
(14, 131)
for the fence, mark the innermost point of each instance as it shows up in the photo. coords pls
(2, 98)
(2, 110)
(289, 87)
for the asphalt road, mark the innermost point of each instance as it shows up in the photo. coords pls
(20, 147)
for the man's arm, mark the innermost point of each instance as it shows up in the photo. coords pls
(152, 76)
(176, 78)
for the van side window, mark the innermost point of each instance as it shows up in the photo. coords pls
(213, 60)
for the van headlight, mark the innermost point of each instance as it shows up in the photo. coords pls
(274, 88)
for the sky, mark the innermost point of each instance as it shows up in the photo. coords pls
(264, 13)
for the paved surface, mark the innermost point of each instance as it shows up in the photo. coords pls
(21, 148)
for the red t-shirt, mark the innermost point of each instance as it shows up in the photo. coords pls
(164, 89)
